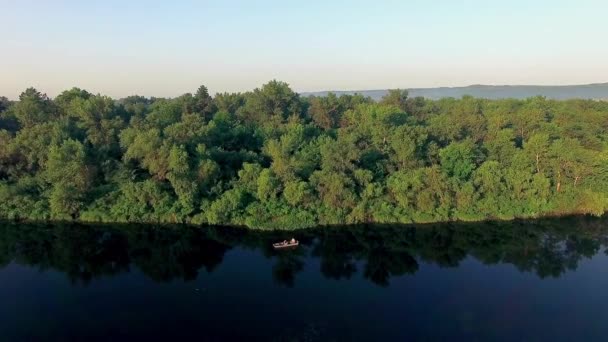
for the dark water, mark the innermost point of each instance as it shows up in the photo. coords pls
(526, 281)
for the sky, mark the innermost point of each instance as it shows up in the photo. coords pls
(167, 48)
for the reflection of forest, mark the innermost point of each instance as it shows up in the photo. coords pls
(545, 247)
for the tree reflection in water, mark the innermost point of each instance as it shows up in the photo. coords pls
(548, 248)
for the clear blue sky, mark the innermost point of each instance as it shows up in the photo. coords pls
(162, 48)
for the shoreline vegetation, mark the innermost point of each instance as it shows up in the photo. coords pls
(271, 158)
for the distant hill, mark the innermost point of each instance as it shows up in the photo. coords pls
(597, 91)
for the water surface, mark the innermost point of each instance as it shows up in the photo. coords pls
(538, 280)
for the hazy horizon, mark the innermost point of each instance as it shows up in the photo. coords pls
(165, 50)
(213, 93)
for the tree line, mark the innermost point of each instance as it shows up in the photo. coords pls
(270, 158)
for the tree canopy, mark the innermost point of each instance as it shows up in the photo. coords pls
(271, 158)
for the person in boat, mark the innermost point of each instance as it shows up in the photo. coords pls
(292, 241)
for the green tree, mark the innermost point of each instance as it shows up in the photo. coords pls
(33, 108)
(397, 98)
(203, 103)
(326, 111)
(458, 160)
(67, 172)
(229, 102)
(274, 101)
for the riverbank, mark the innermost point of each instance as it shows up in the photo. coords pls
(514, 220)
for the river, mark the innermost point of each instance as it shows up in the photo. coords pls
(523, 280)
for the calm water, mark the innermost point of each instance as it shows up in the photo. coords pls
(543, 280)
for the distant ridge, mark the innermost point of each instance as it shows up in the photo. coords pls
(596, 91)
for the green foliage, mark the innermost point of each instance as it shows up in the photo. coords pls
(268, 186)
(33, 108)
(298, 193)
(229, 102)
(271, 106)
(397, 98)
(458, 159)
(272, 159)
(229, 208)
(203, 103)
(145, 201)
(69, 177)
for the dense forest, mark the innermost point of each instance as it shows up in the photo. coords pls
(270, 158)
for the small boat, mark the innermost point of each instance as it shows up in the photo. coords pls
(286, 244)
